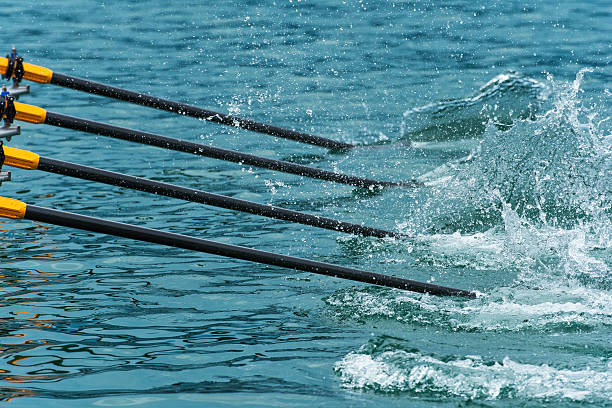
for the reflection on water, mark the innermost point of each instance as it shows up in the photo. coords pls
(22, 332)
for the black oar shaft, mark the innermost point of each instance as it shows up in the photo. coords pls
(98, 225)
(104, 129)
(199, 196)
(85, 85)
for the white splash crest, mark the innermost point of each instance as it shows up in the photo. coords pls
(472, 378)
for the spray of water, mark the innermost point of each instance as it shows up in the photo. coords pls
(532, 200)
(389, 367)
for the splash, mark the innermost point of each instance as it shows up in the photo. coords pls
(470, 378)
(529, 209)
(502, 101)
(548, 279)
(516, 308)
(555, 169)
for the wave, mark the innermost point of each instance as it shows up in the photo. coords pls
(527, 213)
(517, 308)
(385, 366)
(502, 101)
(555, 168)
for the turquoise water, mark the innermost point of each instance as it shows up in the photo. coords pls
(501, 110)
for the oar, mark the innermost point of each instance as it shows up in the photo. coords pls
(31, 161)
(34, 114)
(45, 75)
(16, 209)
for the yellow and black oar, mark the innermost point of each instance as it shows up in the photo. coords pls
(35, 114)
(45, 75)
(16, 209)
(31, 161)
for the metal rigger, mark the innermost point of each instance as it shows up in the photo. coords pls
(15, 71)
(7, 113)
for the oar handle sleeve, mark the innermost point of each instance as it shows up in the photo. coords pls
(21, 159)
(30, 113)
(11, 208)
(32, 72)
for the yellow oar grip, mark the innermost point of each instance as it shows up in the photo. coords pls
(37, 73)
(30, 113)
(31, 72)
(11, 208)
(22, 159)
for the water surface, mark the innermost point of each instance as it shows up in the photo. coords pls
(500, 109)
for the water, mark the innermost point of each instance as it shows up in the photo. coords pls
(501, 110)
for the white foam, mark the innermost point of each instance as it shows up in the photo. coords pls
(547, 180)
(508, 309)
(471, 378)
